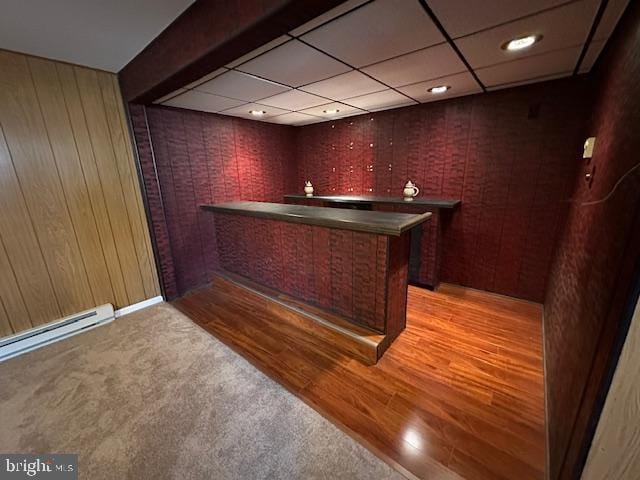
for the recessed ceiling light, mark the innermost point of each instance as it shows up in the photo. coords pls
(439, 89)
(521, 42)
(331, 111)
(257, 113)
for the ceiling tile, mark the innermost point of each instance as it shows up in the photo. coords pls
(204, 102)
(294, 64)
(170, 95)
(531, 68)
(608, 22)
(461, 84)
(342, 110)
(293, 100)
(544, 78)
(610, 18)
(258, 51)
(344, 86)
(462, 17)
(325, 17)
(209, 76)
(295, 118)
(432, 62)
(376, 32)
(380, 101)
(243, 111)
(593, 52)
(241, 86)
(561, 27)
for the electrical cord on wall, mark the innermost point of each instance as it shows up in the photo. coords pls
(613, 190)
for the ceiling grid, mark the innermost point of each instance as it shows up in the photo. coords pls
(366, 56)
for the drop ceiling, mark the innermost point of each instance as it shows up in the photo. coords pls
(94, 33)
(366, 56)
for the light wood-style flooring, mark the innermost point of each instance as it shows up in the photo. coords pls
(459, 392)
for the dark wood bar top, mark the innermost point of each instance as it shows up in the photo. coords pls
(383, 223)
(425, 202)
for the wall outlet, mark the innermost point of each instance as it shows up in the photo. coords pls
(589, 144)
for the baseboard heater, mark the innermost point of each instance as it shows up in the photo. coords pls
(51, 332)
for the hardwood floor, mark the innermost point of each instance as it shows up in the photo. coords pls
(460, 391)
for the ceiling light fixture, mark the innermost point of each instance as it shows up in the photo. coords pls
(439, 89)
(331, 111)
(521, 43)
(257, 113)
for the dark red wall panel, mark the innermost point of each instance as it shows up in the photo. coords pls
(525, 227)
(510, 156)
(154, 198)
(206, 158)
(339, 270)
(598, 249)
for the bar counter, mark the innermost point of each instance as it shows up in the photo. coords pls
(349, 263)
(427, 242)
(385, 223)
(375, 199)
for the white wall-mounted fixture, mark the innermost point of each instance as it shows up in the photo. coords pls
(589, 145)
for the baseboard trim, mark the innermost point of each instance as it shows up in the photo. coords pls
(55, 331)
(138, 306)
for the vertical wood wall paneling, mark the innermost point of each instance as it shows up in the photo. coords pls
(35, 167)
(615, 451)
(71, 84)
(96, 116)
(5, 325)
(54, 111)
(72, 228)
(13, 307)
(128, 179)
(16, 233)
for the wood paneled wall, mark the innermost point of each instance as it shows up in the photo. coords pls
(73, 231)
(615, 452)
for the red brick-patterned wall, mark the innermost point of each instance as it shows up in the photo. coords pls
(590, 277)
(510, 156)
(427, 272)
(339, 270)
(204, 158)
(154, 200)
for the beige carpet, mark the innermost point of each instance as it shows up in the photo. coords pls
(153, 396)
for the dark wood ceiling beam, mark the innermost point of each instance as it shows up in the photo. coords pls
(207, 36)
